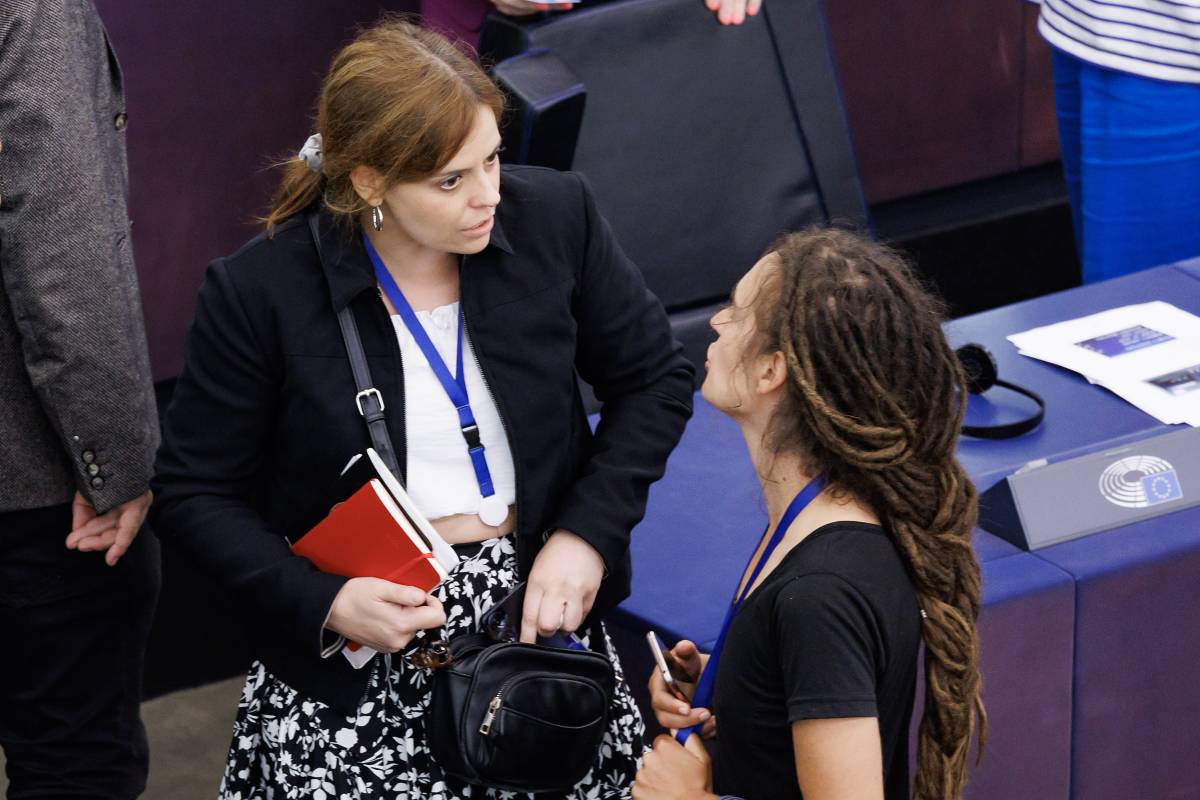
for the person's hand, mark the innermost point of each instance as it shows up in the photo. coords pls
(733, 12)
(562, 586)
(383, 615)
(112, 531)
(686, 663)
(523, 8)
(674, 772)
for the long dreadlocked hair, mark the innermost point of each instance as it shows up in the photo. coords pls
(875, 397)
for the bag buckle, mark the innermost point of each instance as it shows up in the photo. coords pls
(358, 399)
(431, 655)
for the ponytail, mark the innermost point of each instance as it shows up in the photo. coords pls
(300, 188)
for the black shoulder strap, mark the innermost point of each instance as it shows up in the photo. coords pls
(368, 400)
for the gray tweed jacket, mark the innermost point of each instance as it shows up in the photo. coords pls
(76, 401)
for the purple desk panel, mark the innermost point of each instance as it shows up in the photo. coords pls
(1137, 647)
(1026, 629)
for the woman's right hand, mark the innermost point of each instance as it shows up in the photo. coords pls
(686, 663)
(383, 615)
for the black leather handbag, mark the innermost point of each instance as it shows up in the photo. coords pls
(521, 717)
(507, 715)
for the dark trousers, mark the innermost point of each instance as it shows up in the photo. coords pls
(72, 639)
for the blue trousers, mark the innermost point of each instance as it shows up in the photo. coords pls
(1131, 156)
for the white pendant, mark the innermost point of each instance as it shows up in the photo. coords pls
(493, 511)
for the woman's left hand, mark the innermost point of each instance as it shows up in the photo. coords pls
(673, 772)
(562, 586)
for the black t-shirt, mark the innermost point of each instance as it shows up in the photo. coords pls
(832, 632)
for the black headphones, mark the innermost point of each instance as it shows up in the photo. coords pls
(982, 374)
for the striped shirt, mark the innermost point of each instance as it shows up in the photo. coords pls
(1152, 38)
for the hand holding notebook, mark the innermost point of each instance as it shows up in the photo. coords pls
(382, 616)
(375, 531)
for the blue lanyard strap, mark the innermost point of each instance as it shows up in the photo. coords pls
(702, 698)
(455, 385)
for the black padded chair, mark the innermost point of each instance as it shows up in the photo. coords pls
(703, 142)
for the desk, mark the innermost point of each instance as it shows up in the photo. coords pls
(1083, 697)
(1079, 417)
(1135, 708)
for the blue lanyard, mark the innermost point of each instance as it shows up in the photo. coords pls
(702, 698)
(455, 385)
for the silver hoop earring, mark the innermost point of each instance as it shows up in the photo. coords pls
(377, 218)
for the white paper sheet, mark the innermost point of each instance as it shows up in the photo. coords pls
(1147, 354)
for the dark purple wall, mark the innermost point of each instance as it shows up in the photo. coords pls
(215, 91)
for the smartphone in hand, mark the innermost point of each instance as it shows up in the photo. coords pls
(660, 658)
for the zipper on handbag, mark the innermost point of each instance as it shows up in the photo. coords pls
(490, 717)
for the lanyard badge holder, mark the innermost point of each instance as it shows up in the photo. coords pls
(703, 695)
(492, 510)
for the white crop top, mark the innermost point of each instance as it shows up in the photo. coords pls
(441, 479)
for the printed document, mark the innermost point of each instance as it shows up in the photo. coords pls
(1148, 354)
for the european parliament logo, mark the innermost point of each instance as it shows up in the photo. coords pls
(1140, 482)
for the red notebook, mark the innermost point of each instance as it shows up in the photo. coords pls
(368, 536)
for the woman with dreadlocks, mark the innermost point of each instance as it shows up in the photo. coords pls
(831, 359)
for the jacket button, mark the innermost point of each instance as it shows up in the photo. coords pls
(120, 121)
(97, 483)
(88, 456)
(93, 469)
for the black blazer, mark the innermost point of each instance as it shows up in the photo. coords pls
(263, 416)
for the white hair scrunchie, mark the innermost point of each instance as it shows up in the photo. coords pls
(310, 154)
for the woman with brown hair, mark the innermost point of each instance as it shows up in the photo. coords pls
(832, 360)
(508, 279)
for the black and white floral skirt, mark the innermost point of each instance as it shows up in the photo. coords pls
(286, 745)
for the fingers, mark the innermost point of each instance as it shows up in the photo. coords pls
(92, 527)
(572, 617)
(81, 511)
(669, 710)
(517, 8)
(709, 731)
(530, 613)
(127, 529)
(400, 594)
(695, 748)
(752, 7)
(423, 618)
(394, 632)
(670, 717)
(732, 12)
(687, 658)
(99, 541)
(551, 615)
